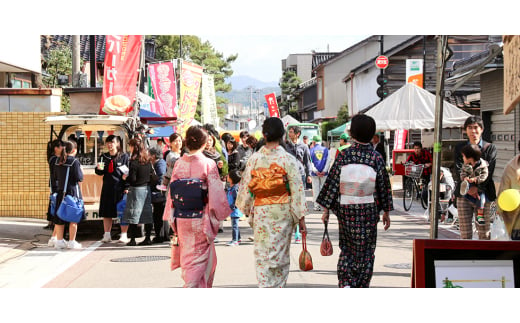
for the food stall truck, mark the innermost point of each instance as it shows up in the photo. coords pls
(90, 132)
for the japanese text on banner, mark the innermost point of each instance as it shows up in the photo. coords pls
(191, 75)
(120, 75)
(162, 77)
(208, 100)
(272, 105)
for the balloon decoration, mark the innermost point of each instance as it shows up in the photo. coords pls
(509, 199)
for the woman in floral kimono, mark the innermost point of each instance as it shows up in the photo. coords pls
(273, 211)
(196, 231)
(357, 189)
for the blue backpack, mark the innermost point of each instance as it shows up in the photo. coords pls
(188, 197)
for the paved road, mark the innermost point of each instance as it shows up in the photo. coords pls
(26, 261)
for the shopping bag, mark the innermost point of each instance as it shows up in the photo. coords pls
(120, 208)
(326, 246)
(52, 199)
(71, 209)
(498, 229)
(176, 249)
(305, 256)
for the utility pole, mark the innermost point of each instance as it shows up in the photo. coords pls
(92, 44)
(442, 53)
(76, 60)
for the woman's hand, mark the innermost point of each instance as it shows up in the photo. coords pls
(386, 220)
(124, 177)
(325, 215)
(303, 227)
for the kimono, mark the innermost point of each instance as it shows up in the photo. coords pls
(198, 258)
(357, 201)
(273, 224)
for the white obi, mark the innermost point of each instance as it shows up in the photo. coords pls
(357, 184)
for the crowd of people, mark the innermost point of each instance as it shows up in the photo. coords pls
(187, 188)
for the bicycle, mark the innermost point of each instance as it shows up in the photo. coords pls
(413, 186)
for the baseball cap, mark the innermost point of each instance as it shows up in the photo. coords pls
(343, 136)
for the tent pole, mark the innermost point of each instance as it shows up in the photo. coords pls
(442, 46)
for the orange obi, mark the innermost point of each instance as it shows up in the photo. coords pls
(269, 185)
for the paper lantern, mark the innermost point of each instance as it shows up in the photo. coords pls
(509, 199)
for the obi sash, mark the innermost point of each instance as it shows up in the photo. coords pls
(188, 197)
(357, 184)
(269, 185)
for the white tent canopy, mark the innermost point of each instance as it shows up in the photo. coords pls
(412, 107)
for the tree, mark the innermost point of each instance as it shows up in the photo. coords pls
(341, 119)
(201, 53)
(289, 85)
(57, 61)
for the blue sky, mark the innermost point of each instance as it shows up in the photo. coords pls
(260, 56)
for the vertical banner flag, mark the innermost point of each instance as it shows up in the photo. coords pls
(164, 87)
(120, 75)
(400, 138)
(191, 75)
(414, 72)
(272, 105)
(208, 100)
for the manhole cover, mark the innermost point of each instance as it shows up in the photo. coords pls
(140, 259)
(399, 266)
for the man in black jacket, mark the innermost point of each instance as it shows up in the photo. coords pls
(466, 209)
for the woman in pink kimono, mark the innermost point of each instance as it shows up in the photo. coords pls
(198, 205)
(274, 206)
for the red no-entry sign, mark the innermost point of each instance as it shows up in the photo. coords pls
(382, 62)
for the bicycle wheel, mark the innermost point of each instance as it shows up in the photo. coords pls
(408, 193)
(424, 197)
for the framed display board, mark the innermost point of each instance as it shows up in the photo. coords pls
(465, 264)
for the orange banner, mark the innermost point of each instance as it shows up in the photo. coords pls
(120, 75)
(191, 75)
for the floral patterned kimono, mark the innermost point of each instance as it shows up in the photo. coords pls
(198, 258)
(356, 190)
(274, 223)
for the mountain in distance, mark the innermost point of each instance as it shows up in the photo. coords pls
(241, 82)
(241, 94)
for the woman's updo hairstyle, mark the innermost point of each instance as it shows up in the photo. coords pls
(196, 137)
(362, 128)
(272, 129)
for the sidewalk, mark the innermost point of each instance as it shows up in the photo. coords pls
(26, 261)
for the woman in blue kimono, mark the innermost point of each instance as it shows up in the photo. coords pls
(357, 189)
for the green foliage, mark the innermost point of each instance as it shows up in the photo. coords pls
(56, 62)
(200, 53)
(289, 84)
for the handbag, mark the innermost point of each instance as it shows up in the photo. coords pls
(71, 208)
(176, 249)
(305, 256)
(120, 208)
(154, 178)
(326, 246)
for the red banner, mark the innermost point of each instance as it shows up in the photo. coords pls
(120, 76)
(162, 77)
(400, 138)
(272, 105)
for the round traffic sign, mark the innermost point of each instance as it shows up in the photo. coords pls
(382, 62)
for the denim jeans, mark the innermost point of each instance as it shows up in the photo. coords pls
(235, 233)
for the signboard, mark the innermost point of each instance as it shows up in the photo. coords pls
(120, 74)
(191, 75)
(209, 100)
(162, 77)
(465, 263)
(414, 72)
(272, 105)
(382, 62)
(400, 138)
(511, 72)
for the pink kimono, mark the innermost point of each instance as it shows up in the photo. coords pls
(198, 258)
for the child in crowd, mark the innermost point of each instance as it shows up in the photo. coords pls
(474, 171)
(234, 180)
